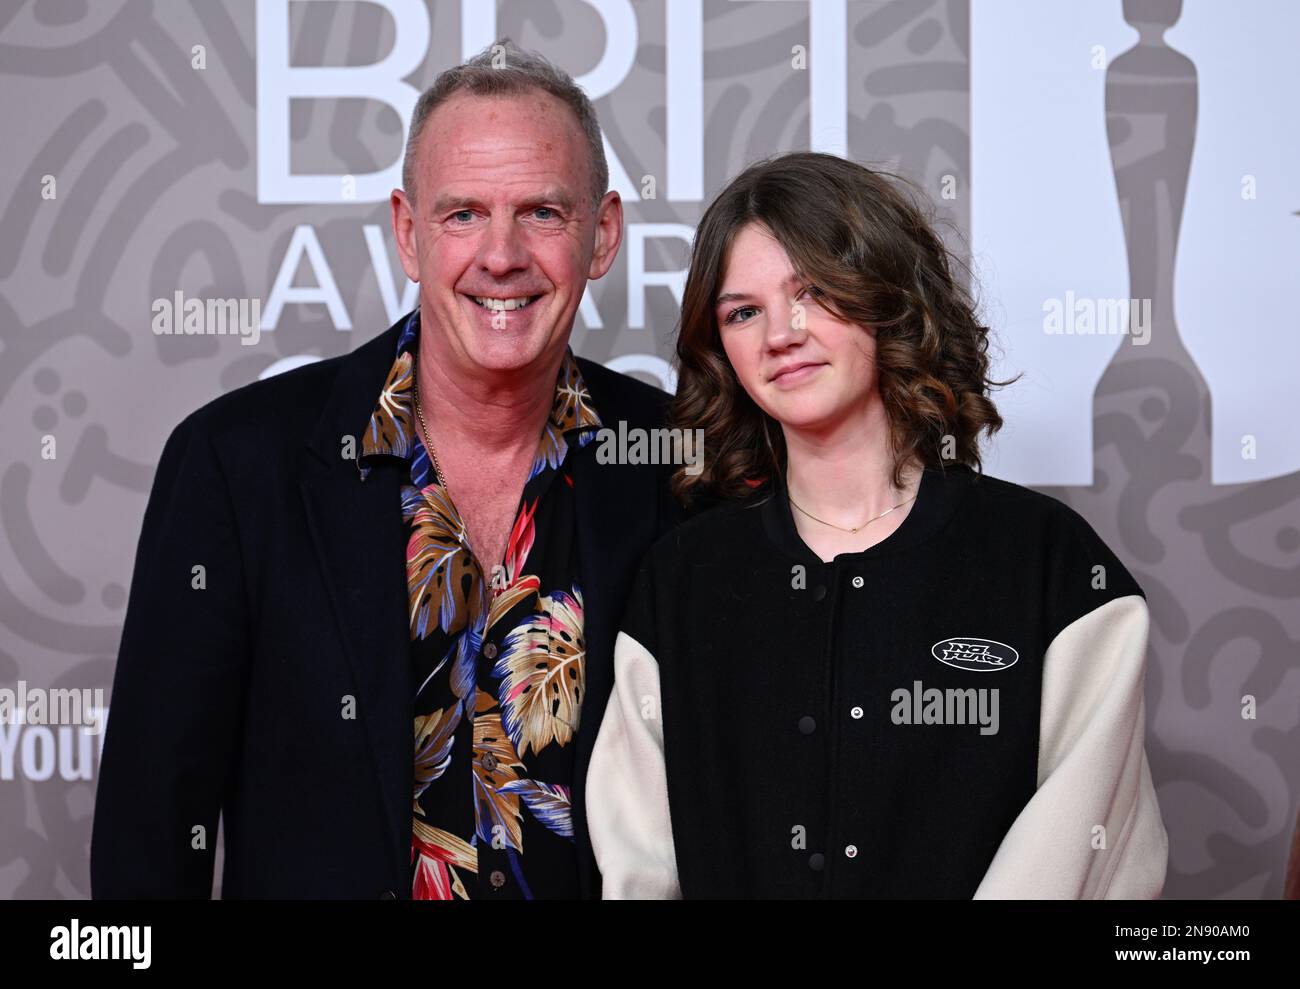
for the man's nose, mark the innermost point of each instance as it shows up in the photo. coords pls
(503, 249)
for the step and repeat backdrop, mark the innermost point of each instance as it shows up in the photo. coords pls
(1124, 178)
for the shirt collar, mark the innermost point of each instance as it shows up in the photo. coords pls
(391, 429)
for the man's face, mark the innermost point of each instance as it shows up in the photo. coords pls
(504, 236)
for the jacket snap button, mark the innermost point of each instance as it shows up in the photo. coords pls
(819, 592)
(856, 713)
(807, 725)
(857, 582)
(816, 861)
(851, 851)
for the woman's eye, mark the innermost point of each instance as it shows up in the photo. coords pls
(731, 316)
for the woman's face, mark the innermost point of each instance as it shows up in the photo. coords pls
(803, 366)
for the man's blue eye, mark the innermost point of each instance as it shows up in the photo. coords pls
(461, 212)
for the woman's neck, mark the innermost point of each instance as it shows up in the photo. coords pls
(846, 471)
(841, 478)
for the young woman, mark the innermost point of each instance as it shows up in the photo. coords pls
(868, 669)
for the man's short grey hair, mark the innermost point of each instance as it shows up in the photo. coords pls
(504, 69)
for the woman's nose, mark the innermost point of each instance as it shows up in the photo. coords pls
(787, 324)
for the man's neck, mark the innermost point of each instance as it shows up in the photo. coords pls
(488, 411)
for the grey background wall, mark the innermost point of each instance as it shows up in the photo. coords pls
(130, 170)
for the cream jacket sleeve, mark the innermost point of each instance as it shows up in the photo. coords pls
(627, 789)
(1093, 828)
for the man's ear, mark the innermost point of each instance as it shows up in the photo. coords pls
(404, 227)
(609, 234)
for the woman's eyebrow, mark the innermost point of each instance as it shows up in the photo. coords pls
(733, 296)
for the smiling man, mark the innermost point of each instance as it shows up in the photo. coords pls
(372, 618)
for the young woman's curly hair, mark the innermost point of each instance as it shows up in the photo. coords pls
(864, 239)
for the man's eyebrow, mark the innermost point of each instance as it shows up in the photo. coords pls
(733, 296)
(448, 204)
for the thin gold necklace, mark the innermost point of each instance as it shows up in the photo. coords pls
(840, 527)
(424, 429)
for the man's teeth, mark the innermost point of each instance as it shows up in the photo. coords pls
(504, 304)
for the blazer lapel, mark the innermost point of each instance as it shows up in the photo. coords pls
(616, 518)
(360, 542)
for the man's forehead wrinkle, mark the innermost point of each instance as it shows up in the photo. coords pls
(469, 154)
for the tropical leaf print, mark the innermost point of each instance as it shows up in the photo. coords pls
(515, 586)
(468, 645)
(483, 701)
(522, 535)
(542, 670)
(549, 804)
(550, 449)
(390, 424)
(495, 761)
(434, 735)
(439, 854)
(440, 569)
(572, 407)
(521, 590)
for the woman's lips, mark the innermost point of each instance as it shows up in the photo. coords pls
(796, 375)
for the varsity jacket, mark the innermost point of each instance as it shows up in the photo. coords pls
(956, 712)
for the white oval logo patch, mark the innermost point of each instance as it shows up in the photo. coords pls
(977, 655)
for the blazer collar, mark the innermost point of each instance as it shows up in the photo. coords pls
(359, 539)
(357, 385)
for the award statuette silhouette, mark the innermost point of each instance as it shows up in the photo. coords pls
(1213, 602)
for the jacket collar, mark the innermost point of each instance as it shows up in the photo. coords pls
(936, 501)
(359, 379)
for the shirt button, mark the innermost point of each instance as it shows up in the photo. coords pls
(857, 582)
(819, 592)
(807, 725)
(816, 861)
(856, 713)
(489, 762)
(851, 851)
(489, 650)
(497, 879)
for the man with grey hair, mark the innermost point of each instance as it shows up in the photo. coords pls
(389, 683)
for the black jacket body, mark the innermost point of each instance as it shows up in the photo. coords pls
(234, 682)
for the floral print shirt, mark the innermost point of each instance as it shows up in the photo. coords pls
(498, 660)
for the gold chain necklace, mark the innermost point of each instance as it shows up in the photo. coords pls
(424, 429)
(840, 527)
